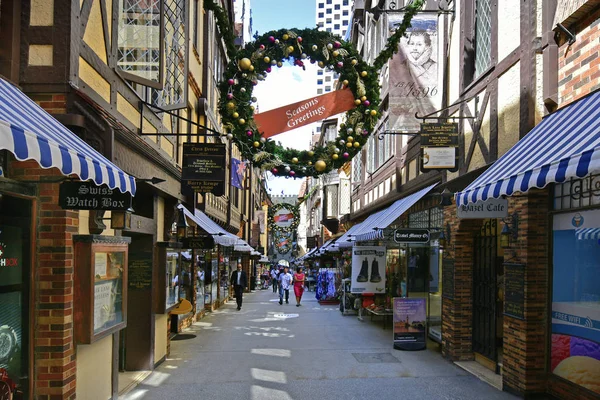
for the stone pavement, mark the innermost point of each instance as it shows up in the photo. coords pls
(268, 351)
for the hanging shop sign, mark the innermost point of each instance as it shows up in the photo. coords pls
(203, 168)
(490, 208)
(368, 269)
(410, 323)
(74, 195)
(411, 236)
(205, 242)
(439, 146)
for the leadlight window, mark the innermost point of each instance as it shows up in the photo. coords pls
(483, 36)
(139, 43)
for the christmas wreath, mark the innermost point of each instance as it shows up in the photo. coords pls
(252, 64)
(289, 212)
(283, 242)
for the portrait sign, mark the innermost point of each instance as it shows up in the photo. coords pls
(414, 75)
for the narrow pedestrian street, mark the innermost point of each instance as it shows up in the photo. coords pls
(267, 351)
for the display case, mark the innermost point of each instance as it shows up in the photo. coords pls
(167, 276)
(100, 292)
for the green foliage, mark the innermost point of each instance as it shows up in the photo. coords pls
(296, 47)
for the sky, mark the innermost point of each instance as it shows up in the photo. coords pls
(288, 84)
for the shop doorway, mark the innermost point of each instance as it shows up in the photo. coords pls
(15, 270)
(486, 267)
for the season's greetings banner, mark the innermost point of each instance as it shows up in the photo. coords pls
(292, 116)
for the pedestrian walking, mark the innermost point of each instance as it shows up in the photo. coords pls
(285, 281)
(274, 276)
(239, 281)
(299, 278)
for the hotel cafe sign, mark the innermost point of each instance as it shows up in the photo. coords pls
(490, 208)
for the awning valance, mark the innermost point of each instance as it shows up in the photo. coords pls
(566, 144)
(588, 234)
(30, 133)
(221, 236)
(372, 228)
(346, 239)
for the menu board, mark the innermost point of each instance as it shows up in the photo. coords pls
(448, 278)
(140, 272)
(514, 290)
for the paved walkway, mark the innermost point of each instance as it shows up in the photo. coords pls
(267, 351)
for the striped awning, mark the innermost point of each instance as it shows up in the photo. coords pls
(30, 133)
(372, 228)
(566, 144)
(346, 240)
(221, 236)
(588, 234)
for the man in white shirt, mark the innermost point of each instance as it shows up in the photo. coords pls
(285, 282)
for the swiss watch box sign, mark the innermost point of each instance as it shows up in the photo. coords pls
(75, 195)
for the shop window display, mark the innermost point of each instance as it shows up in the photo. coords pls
(173, 277)
(575, 349)
(185, 276)
(201, 263)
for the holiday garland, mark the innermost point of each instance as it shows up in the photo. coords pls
(252, 63)
(274, 209)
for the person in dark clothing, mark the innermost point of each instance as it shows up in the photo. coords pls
(239, 281)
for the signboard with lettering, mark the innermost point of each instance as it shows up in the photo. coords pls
(203, 168)
(410, 323)
(205, 242)
(490, 208)
(411, 236)
(514, 290)
(439, 146)
(89, 196)
(139, 270)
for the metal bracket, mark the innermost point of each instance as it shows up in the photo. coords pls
(171, 113)
(571, 36)
(381, 135)
(444, 7)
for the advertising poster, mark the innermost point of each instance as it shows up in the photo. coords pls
(575, 352)
(368, 269)
(414, 72)
(410, 323)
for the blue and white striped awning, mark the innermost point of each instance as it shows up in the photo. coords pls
(372, 228)
(588, 234)
(566, 144)
(30, 133)
(221, 236)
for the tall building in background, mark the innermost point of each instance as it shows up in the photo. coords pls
(243, 22)
(331, 16)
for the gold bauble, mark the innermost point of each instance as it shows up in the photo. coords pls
(320, 165)
(295, 160)
(356, 144)
(311, 153)
(235, 115)
(345, 82)
(290, 49)
(256, 144)
(357, 101)
(267, 59)
(350, 138)
(245, 63)
(279, 64)
(373, 113)
(321, 64)
(354, 62)
(336, 53)
(364, 98)
(252, 108)
(242, 121)
(349, 144)
(285, 36)
(335, 156)
(230, 105)
(310, 163)
(364, 73)
(251, 68)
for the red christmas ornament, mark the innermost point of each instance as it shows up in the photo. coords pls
(292, 173)
(271, 39)
(274, 171)
(249, 133)
(231, 82)
(229, 96)
(268, 69)
(262, 47)
(346, 155)
(299, 39)
(367, 103)
(337, 45)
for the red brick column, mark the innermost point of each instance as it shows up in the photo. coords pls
(457, 313)
(54, 353)
(525, 341)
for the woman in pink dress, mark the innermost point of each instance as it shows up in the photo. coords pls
(298, 285)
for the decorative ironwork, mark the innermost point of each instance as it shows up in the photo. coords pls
(577, 193)
(444, 7)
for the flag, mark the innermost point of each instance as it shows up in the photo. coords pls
(238, 168)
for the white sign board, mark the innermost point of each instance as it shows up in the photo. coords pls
(439, 157)
(490, 208)
(368, 269)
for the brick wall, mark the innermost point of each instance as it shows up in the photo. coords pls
(525, 341)
(457, 313)
(579, 64)
(54, 351)
(52, 103)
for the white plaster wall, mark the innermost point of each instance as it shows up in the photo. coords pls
(94, 370)
(509, 22)
(160, 336)
(509, 85)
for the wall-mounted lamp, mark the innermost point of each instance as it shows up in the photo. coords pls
(446, 197)
(181, 225)
(121, 219)
(510, 230)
